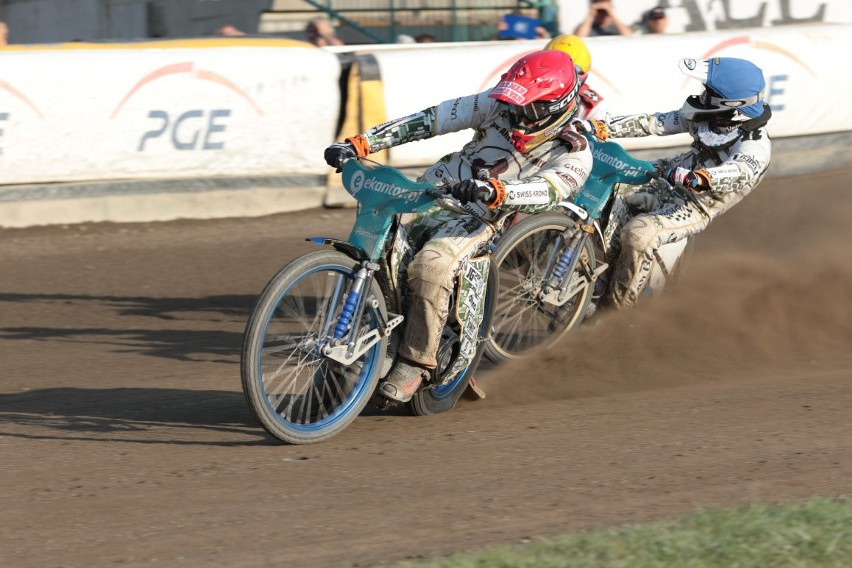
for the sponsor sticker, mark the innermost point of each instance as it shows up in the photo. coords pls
(511, 90)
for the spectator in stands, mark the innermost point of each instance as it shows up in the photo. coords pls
(4, 34)
(654, 21)
(230, 30)
(515, 25)
(425, 38)
(602, 21)
(321, 33)
(405, 38)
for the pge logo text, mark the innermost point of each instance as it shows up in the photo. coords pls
(191, 130)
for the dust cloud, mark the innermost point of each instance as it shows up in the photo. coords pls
(768, 290)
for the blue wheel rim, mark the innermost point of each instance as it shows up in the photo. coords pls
(359, 390)
(446, 390)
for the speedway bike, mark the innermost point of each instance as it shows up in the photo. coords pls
(326, 327)
(554, 269)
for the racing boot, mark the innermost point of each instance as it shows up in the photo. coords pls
(403, 380)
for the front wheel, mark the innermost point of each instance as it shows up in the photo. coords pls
(522, 320)
(297, 394)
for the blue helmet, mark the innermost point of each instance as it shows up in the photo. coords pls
(731, 103)
(729, 85)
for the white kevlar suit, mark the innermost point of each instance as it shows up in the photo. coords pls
(733, 171)
(534, 181)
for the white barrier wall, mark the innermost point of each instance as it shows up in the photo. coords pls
(266, 107)
(807, 83)
(175, 109)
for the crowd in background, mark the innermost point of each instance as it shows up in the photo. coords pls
(602, 19)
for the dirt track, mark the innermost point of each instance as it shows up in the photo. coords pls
(125, 439)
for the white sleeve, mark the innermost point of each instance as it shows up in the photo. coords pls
(656, 124)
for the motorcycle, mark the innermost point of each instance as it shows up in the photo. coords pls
(554, 269)
(326, 327)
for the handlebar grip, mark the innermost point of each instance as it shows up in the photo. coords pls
(655, 175)
(436, 192)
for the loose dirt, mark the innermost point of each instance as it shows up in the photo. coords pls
(125, 438)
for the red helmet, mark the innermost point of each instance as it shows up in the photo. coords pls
(541, 91)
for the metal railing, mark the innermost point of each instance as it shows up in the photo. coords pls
(388, 21)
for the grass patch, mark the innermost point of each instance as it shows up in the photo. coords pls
(807, 535)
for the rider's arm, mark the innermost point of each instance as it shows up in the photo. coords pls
(453, 115)
(559, 180)
(744, 170)
(637, 125)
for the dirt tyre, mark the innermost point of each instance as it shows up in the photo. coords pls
(522, 321)
(440, 399)
(298, 395)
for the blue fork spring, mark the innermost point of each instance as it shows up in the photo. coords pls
(346, 313)
(562, 264)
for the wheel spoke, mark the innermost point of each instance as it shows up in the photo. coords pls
(520, 320)
(302, 388)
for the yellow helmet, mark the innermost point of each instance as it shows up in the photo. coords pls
(574, 47)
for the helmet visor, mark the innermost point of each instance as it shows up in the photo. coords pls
(532, 113)
(713, 100)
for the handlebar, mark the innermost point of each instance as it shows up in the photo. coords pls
(406, 189)
(680, 190)
(444, 198)
(437, 192)
(444, 191)
(657, 176)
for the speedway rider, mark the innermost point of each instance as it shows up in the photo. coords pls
(729, 156)
(592, 104)
(524, 156)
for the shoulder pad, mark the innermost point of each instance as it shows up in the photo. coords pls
(575, 141)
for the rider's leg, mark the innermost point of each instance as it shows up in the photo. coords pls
(640, 237)
(431, 277)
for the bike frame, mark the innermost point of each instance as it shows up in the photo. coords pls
(382, 193)
(612, 165)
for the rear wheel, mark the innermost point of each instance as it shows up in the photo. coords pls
(297, 394)
(440, 399)
(522, 320)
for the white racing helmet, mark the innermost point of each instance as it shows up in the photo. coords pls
(731, 103)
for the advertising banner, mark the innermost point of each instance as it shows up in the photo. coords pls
(637, 74)
(131, 113)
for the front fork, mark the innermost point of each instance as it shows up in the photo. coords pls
(563, 261)
(345, 343)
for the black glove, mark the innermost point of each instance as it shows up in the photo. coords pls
(337, 153)
(472, 190)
